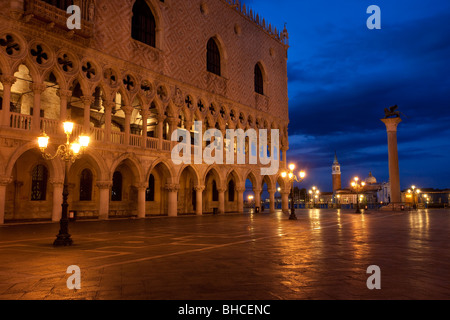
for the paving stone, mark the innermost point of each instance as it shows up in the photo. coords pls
(233, 257)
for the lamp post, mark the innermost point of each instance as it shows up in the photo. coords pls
(68, 152)
(314, 194)
(413, 191)
(357, 186)
(291, 177)
(338, 196)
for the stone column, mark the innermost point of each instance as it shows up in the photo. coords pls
(240, 199)
(64, 95)
(87, 102)
(284, 156)
(144, 115)
(199, 200)
(58, 187)
(172, 205)
(285, 201)
(221, 199)
(7, 82)
(257, 198)
(104, 188)
(127, 110)
(272, 200)
(173, 125)
(141, 201)
(37, 88)
(394, 173)
(160, 128)
(3, 184)
(109, 106)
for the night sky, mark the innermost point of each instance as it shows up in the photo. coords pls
(342, 75)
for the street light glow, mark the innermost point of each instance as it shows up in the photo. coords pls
(68, 127)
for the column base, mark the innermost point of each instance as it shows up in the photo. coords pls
(63, 240)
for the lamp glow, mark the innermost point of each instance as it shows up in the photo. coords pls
(302, 174)
(68, 127)
(84, 141)
(292, 167)
(283, 174)
(75, 148)
(43, 141)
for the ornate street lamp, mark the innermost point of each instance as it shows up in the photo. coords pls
(314, 194)
(291, 177)
(357, 186)
(414, 192)
(68, 152)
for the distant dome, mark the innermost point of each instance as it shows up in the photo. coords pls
(371, 179)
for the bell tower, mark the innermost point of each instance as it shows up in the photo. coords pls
(336, 174)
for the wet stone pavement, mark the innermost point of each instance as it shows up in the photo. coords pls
(322, 255)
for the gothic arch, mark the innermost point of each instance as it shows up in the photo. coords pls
(56, 168)
(132, 162)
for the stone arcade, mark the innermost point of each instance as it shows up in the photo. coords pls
(135, 72)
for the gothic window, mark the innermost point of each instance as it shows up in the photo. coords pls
(116, 190)
(86, 185)
(215, 192)
(150, 192)
(61, 4)
(39, 178)
(231, 191)
(143, 25)
(259, 82)
(213, 57)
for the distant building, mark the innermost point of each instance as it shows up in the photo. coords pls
(374, 192)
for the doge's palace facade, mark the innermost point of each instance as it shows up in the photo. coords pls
(133, 73)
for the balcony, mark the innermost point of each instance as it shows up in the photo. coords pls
(42, 11)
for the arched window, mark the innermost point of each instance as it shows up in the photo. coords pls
(231, 191)
(215, 192)
(61, 4)
(39, 178)
(213, 57)
(150, 192)
(86, 185)
(116, 190)
(259, 81)
(143, 25)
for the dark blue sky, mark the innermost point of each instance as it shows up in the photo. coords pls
(342, 75)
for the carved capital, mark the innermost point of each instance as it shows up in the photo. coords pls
(87, 100)
(38, 88)
(4, 181)
(7, 80)
(104, 184)
(171, 187)
(161, 118)
(127, 110)
(64, 93)
(221, 190)
(199, 188)
(57, 183)
(109, 105)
